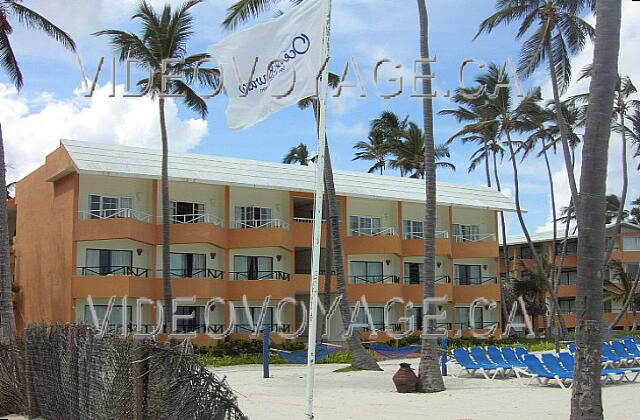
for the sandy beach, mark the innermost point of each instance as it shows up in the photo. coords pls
(371, 395)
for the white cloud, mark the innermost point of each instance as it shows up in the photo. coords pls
(32, 129)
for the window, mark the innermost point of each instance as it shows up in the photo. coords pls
(252, 268)
(363, 272)
(195, 324)
(413, 229)
(242, 322)
(101, 310)
(183, 212)
(365, 226)
(188, 265)
(101, 207)
(632, 270)
(571, 249)
(253, 217)
(568, 277)
(567, 306)
(606, 306)
(526, 254)
(464, 233)
(631, 243)
(468, 274)
(103, 262)
(377, 316)
(463, 318)
(414, 272)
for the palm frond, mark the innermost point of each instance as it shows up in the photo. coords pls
(34, 20)
(244, 10)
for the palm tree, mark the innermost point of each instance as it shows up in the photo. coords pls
(430, 377)
(635, 211)
(409, 153)
(623, 289)
(165, 37)
(391, 128)
(558, 33)
(298, 154)
(242, 11)
(634, 132)
(612, 208)
(10, 11)
(586, 398)
(375, 149)
(621, 107)
(532, 287)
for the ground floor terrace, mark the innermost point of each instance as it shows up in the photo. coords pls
(372, 395)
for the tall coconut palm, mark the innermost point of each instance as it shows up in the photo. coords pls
(586, 398)
(511, 119)
(243, 11)
(375, 149)
(556, 32)
(298, 154)
(391, 127)
(409, 153)
(622, 107)
(12, 11)
(430, 377)
(623, 289)
(165, 36)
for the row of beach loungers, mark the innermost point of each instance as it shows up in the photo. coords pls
(618, 361)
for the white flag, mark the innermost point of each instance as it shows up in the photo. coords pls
(294, 41)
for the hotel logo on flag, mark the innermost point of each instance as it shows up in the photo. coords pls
(272, 65)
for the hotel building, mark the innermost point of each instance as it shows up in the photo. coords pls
(626, 251)
(88, 224)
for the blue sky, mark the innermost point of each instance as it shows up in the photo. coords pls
(51, 106)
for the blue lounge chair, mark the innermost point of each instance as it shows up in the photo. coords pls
(622, 351)
(572, 348)
(521, 352)
(631, 346)
(496, 356)
(464, 360)
(510, 356)
(568, 362)
(480, 356)
(538, 371)
(613, 358)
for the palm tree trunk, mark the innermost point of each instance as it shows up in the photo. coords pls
(505, 250)
(360, 358)
(551, 320)
(7, 320)
(625, 188)
(430, 377)
(523, 225)
(562, 123)
(166, 250)
(586, 398)
(326, 297)
(486, 163)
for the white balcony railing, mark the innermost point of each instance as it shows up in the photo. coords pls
(305, 220)
(114, 214)
(182, 219)
(259, 224)
(382, 231)
(475, 237)
(440, 234)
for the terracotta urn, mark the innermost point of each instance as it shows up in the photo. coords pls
(405, 379)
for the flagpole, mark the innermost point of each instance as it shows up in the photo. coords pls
(317, 214)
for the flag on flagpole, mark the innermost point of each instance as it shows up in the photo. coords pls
(291, 43)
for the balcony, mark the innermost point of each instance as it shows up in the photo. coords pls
(117, 270)
(466, 290)
(259, 275)
(383, 240)
(197, 228)
(413, 244)
(374, 279)
(438, 280)
(475, 281)
(482, 245)
(260, 233)
(302, 232)
(204, 273)
(115, 224)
